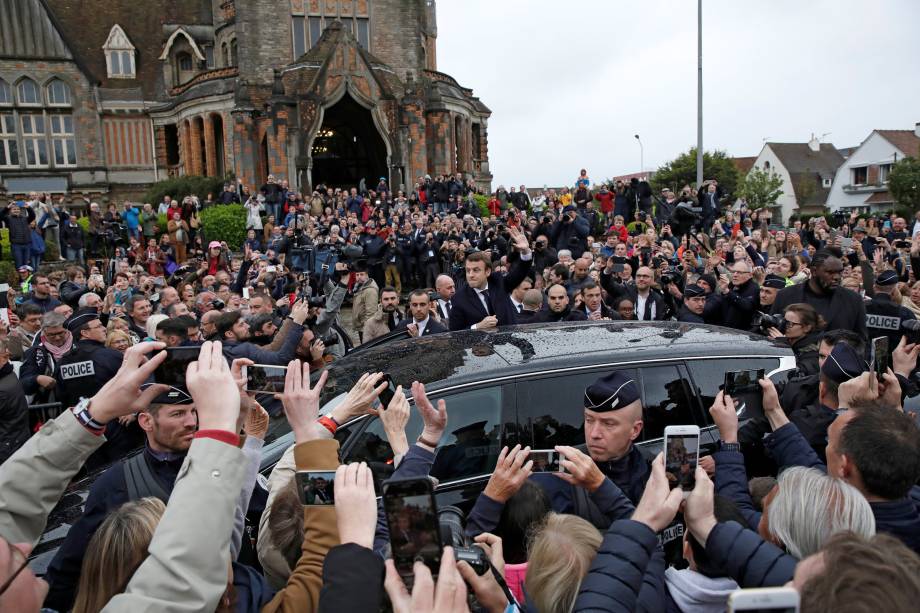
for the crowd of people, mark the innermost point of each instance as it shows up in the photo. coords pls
(188, 523)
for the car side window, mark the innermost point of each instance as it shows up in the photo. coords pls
(709, 375)
(551, 409)
(666, 400)
(469, 446)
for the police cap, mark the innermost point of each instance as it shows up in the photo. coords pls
(611, 392)
(80, 319)
(886, 277)
(774, 281)
(843, 364)
(694, 291)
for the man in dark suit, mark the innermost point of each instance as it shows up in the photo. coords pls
(421, 323)
(592, 303)
(648, 303)
(558, 308)
(484, 303)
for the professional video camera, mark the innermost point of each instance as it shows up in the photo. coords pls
(671, 274)
(764, 321)
(114, 234)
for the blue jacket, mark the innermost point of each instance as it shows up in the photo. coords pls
(627, 574)
(132, 217)
(416, 463)
(747, 558)
(731, 481)
(899, 518)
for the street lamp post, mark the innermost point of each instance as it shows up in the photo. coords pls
(641, 155)
(699, 95)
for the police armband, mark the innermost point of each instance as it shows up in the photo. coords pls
(81, 412)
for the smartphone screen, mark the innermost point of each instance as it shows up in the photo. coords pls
(681, 455)
(880, 356)
(742, 386)
(316, 487)
(387, 394)
(412, 518)
(545, 460)
(172, 370)
(265, 378)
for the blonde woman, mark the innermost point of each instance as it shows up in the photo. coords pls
(118, 340)
(910, 298)
(559, 556)
(115, 551)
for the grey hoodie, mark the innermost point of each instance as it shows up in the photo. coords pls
(693, 592)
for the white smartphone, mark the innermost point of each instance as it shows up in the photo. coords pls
(546, 461)
(245, 293)
(772, 599)
(681, 453)
(264, 378)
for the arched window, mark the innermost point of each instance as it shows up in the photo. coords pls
(58, 93)
(6, 93)
(233, 53)
(28, 92)
(766, 165)
(184, 61)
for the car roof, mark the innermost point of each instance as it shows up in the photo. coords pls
(469, 356)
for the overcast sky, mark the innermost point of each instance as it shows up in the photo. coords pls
(570, 83)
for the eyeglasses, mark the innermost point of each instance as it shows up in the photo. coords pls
(793, 323)
(25, 562)
(740, 272)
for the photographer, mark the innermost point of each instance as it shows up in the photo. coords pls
(801, 330)
(570, 232)
(233, 330)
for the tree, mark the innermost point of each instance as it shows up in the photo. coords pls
(682, 171)
(904, 182)
(760, 188)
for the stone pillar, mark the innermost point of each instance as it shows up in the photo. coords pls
(185, 148)
(209, 147)
(439, 142)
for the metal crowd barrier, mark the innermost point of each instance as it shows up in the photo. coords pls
(41, 413)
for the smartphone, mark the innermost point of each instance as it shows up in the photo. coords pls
(743, 387)
(546, 460)
(766, 599)
(316, 487)
(172, 370)
(412, 518)
(264, 378)
(681, 453)
(902, 245)
(269, 269)
(846, 242)
(881, 357)
(618, 268)
(387, 394)
(245, 293)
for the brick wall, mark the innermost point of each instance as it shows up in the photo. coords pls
(396, 34)
(438, 135)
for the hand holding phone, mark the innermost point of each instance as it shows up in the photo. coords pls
(171, 371)
(881, 356)
(386, 396)
(681, 455)
(743, 387)
(316, 487)
(264, 378)
(412, 519)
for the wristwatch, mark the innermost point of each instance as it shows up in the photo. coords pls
(723, 446)
(81, 412)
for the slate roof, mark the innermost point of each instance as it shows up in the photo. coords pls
(85, 26)
(905, 140)
(28, 31)
(744, 164)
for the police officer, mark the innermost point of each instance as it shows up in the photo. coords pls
(768, 290)
(613, 421)
(694, 304)
(83, 371)
(884, 315)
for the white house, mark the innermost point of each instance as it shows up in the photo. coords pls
(862, 181)
(807, 171)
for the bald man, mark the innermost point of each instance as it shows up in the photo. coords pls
(444, 286)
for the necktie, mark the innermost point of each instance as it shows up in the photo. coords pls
(519, 308)
(485, 295)
(449, 307)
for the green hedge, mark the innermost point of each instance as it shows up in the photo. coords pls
(180, 187)
(483, 202)
(225, 222)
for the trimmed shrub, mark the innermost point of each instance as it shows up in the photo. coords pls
(225, 222)
(482, 201)
(8, 272)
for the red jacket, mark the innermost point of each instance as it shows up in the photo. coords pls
(606, 200)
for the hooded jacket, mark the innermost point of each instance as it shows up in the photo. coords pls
(697, 593)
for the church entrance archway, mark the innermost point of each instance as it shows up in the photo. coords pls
(348, 147)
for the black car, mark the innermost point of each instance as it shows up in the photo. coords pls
(521, 384)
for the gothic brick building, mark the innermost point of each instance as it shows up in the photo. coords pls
(110, 95)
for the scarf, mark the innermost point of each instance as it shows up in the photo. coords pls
(58, 351)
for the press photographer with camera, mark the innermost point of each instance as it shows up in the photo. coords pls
(801, 328)
(570, 232)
